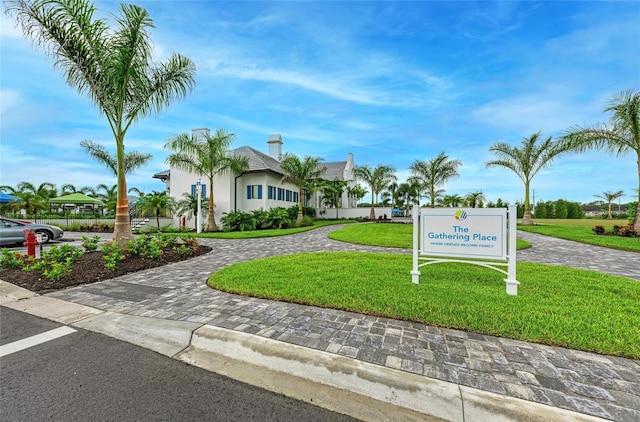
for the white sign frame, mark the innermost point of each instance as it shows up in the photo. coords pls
(482, 236)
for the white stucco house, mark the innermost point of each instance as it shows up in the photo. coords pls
(261, 186)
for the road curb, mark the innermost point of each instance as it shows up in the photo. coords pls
(304, 374)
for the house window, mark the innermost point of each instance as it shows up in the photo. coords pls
(203, 192)
(271, 192)
(295, 197)
(254, 192)
(280, 194)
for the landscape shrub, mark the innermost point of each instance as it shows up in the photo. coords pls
(90, 244)
(56, 262)
(10, 259)
(112, 255)
(279, 218)
(598, 229)
(238, 221)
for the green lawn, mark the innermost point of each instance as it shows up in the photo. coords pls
(254, 234)
(582, 222)
(573, 308)
(583, 234)
(387, 235)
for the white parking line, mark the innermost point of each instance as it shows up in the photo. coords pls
(25, 343)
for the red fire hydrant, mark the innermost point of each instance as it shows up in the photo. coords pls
(31, 242)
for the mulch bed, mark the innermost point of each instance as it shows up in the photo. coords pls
(90, 269)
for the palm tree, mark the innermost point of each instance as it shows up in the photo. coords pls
(112, 65)
(609, 197)
(132, 159)
(110, 196)
(357, 192)
(408, 194)
(305, 174)
(475, 199)
(433, 173)
(377, 179)
(44, 190)
(621, 136)
(189, 207)
(451, 200)
(332, 193)
(68, 188)
(526, 162)
(207, 155)
(157, 204)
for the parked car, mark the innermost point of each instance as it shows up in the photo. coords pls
(13, 231)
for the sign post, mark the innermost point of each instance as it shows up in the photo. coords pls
(199, 195)
(482, 236)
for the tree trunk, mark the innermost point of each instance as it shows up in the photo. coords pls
(636, 225)
(211, 219)
(527, 220)
(372, 213)
(122, 230)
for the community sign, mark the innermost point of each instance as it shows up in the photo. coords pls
(471, 232)
(479, 236)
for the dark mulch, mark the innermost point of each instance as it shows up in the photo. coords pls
(90, 269)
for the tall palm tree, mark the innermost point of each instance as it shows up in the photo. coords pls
(132, 159)
(408, 194)
(156, 204)
(112, 65)
(44, 190)
(526, 162)
(207, 155)
(621, 136)
(305, 174)
(433, 173)
(377, 179)
(610, 197)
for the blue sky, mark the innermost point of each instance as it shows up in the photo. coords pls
(391, 82)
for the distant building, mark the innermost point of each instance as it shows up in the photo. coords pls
(260, 187)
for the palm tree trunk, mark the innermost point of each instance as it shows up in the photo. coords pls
(122, 230)
(211, 219)
(636, 225)
(372, 213)
(527, 220)
(300, 213)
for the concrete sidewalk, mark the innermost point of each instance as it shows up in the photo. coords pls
(350, 386)
(368, 367)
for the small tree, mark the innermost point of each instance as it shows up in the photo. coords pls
(433, 173)
(377, 179)
(610, 197)
(332, 193)
(305, 174)
(155, 204)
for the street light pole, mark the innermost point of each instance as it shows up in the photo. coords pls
(199, 220)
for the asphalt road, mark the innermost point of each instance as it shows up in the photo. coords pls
(85, 376)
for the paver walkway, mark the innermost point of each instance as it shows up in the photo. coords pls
(598, 385)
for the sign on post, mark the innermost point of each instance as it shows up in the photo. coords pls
(483, 236)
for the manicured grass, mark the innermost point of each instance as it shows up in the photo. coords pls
(573, 308)
(584, 234)
(582, 222)
(254, 234)
(386, 235)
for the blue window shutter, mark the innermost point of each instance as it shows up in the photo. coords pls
(268, 192)
(204, 191)
(249, 192)
(259, 191)
(193, 190)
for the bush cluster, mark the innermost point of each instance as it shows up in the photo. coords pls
(275, 218)
(58, 261)
(625, 231)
